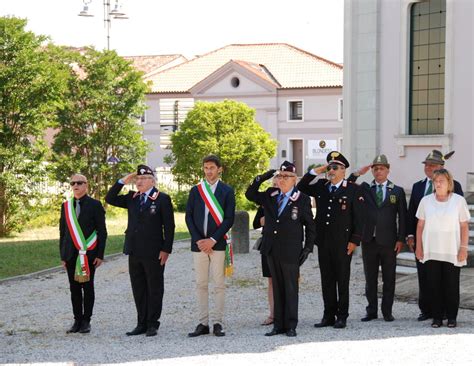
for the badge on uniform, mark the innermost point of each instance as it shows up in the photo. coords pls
(393, 198)
(153, 209)
(294, 213)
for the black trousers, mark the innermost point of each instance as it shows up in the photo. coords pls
(373, 255)
(285, 292)
(444, 286)
(82, 294)
(335, 267)
(424, 292)
(146, 277)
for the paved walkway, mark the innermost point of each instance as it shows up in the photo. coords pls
(35, 313)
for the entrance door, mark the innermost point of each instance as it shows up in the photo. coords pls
(297, 155)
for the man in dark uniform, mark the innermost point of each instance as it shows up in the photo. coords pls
(148, 243)
(82, 213)
(286, 212)
(339, 226)
(383, 238)
(434, 161)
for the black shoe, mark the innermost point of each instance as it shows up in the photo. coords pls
(436, 323)
(291, 333)
(423, 317)
(85, 326)
(325, 323)
(388, 318)
(452, 323)
(201, 329)
(217, 330)
(340, 323)
(274, 331)
(137, 331)
(75, 327)
(369, 317)
(151, 331)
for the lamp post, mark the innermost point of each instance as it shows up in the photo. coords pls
(115, 13)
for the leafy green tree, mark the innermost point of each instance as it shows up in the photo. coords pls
(99, 120)
(227, 129)
(31, 88)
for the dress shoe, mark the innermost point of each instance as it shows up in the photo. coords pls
(75, 327)
(137, 331)
(325, 323)
(452, 323)
(275, 331)
(369, 317)
(388, 318)
(340, 323)
(217, 330)
(423, 317)
(201, 329)
(85, 326)
(291, 333)
(151, 331)
(436, 323)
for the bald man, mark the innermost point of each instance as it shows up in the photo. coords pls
(82, 238)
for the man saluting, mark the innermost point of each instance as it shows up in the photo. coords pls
(148, 243)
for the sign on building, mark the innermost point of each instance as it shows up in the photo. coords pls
(318, 149)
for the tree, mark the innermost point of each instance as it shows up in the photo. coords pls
(31, 86)
(227, 129)
(99, 120)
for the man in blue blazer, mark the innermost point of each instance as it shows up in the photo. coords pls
(434, 161)
(383, 236)
(209, 217)
(148, 243)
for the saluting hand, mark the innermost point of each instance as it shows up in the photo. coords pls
(128, 178)
(320, 169)
(364, 169)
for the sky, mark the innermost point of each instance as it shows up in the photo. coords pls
(189, 27)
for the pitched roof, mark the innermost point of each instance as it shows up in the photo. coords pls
(286, 65)
(150, 63)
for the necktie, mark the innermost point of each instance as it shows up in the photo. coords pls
(142, 201)
(78, 208)
(379, 195)
(430, 188)
(280, 203)
(333, 189)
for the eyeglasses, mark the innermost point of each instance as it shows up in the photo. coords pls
(79, 183)
(284, 177)
(334, 167)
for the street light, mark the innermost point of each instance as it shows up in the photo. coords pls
(115, 13)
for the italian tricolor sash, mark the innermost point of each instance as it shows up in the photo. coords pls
(217, 214)
(82, 273)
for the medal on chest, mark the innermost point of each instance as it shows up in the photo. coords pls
(294, 213)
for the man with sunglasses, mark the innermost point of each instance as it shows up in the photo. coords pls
(339, 226)
(81, 216)
(287, 211)
(148, 243)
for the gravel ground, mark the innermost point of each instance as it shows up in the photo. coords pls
(35, 314)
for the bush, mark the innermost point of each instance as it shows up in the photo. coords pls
(46, 213)
(243, 204)
(179, 199)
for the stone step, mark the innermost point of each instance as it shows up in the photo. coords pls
(406, 259)
(402, 270)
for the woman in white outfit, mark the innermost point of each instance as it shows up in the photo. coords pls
(443, 235)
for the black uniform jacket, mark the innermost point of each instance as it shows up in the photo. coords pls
(339, 216)
(417, 193)
(283, 235)
(195, 216)
(382, 221)
(92, 217)
(149, 231)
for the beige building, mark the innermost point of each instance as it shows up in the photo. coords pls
(297, 97)
(408, 80)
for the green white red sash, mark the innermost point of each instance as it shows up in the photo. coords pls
(217, 214)
(82, 273)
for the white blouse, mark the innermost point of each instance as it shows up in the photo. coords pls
(441, 234)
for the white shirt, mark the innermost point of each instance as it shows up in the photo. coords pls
(442, 233)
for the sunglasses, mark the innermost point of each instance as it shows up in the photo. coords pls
(79, 183)
(334, 167)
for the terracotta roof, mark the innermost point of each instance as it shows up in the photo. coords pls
(148, 64)
(288, 66)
